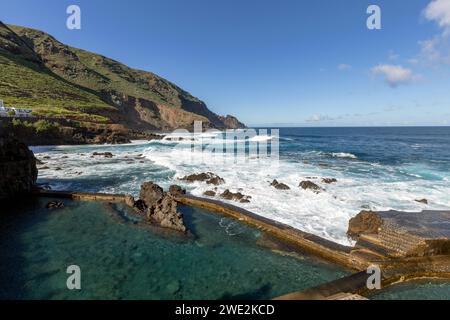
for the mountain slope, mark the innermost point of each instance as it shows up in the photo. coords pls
(55, 79)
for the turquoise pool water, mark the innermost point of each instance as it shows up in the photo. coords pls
(425, 290)
(119, 259)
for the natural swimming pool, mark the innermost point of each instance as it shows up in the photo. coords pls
(119, 259)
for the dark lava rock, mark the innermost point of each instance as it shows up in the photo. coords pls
(151, 193)
(176, 191)
(129, 201)
(140, 205)
(209, 193)
(104, 154)
(208, 177)
(165, 213)
(279, 185)
(308, 185)
(231, 122)
(54, 205)
(228, 195)
(160, 207)
(424, 201)
(367, 222)
(18, 172)
(329, 180)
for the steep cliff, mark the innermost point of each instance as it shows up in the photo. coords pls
(56, 80)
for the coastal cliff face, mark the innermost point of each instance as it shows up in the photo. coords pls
(18, 172)
(56, 80)
(232, 122)
(64, 133)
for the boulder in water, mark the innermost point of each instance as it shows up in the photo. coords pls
(165, 214)
(151, 193)
(208, 177)
(104, 154)
(309, 185)
(228, 195)
(279, 185)
(209, 193)
(54, 205)
(329, 180)
(160, 207)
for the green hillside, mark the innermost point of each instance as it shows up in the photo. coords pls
(53, 79)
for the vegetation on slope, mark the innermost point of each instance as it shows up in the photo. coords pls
(56, 80)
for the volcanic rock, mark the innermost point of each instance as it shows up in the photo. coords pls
(151, 193)
(54, 205)
(160, 207)
(279, 185)
(176, 191)
(308, 185)
(329, 180)
(228, 195)
(365, 222)
(208, 177)
(104, 154)
(424, 201)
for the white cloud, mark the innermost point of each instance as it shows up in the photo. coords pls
(429, 49)
(319, 118)
(394, 75)
(344, 66)
(439, 11)
(437, 49)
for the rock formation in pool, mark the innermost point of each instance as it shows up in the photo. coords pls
(160, 207)
(18, 172)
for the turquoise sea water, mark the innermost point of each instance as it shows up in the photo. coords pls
(122, 260)
(376, 168)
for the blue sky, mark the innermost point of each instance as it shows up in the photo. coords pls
(287, 62)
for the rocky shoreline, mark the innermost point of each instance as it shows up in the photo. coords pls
(64, 132)
(405, 249)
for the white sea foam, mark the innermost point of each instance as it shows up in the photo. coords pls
(366, 186)
(344, 155)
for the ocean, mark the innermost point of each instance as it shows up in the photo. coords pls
(375, 168)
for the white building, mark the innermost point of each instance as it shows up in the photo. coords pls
(22, 112)
(18, 112)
